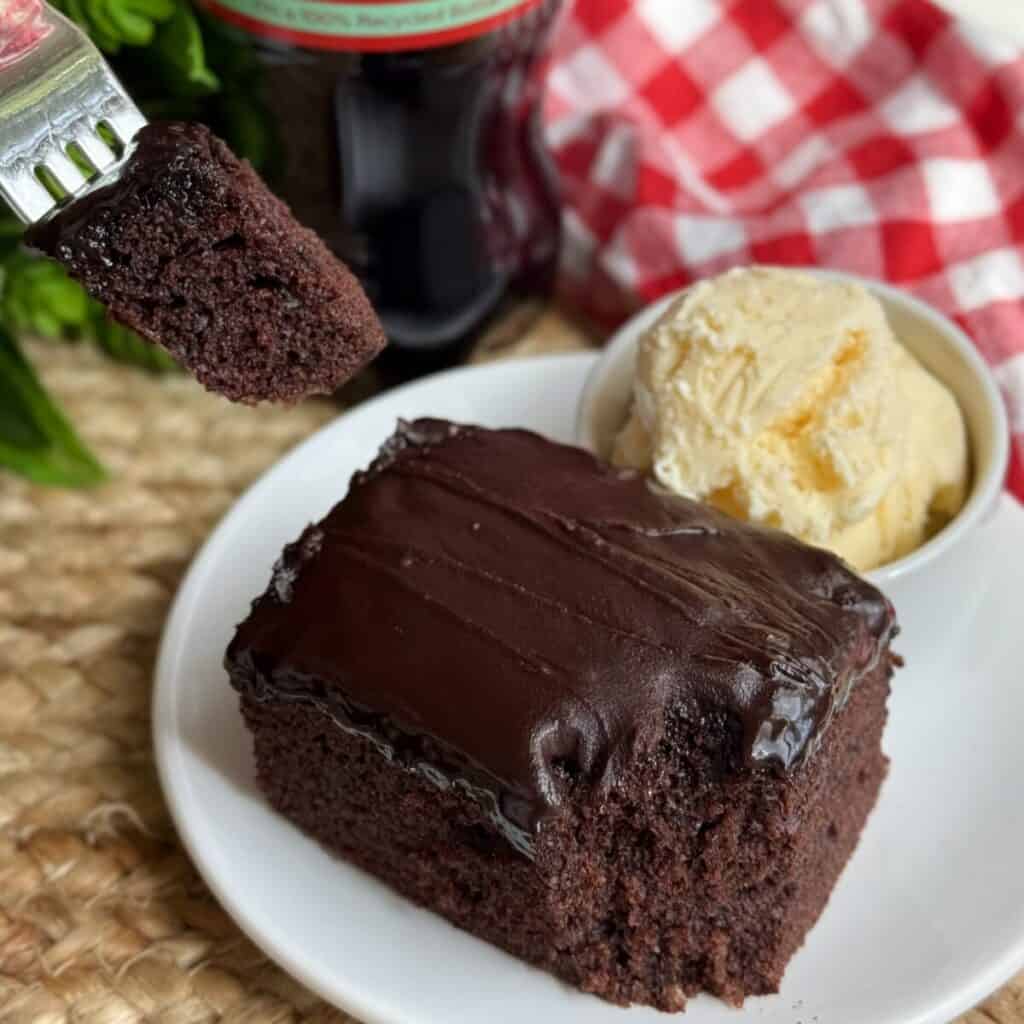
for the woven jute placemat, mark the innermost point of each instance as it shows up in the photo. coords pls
(103, 919)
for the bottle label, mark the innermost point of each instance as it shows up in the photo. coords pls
(369, 25)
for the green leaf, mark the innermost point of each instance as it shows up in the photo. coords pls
(35, 438)
(10, 235)
(116, 23)
(248, 129)
(172, 108)
(76, 11)
(179, 47)
(102, 25)
(39, 296)
(136, 20)
(125, 346)
(238, 113)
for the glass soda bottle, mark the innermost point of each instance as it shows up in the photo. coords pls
(413, 146)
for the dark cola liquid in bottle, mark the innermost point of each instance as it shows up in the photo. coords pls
(412, 145)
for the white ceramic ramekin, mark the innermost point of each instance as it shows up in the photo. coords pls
(935, 340)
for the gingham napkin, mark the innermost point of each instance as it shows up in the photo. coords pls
(876, 136)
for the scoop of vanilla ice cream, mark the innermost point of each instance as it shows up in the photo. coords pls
(785, 399)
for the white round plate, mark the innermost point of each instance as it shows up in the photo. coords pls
(927, 919)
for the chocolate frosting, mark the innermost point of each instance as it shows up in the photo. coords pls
(508, 614)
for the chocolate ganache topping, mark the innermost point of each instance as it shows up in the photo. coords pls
(502, 612)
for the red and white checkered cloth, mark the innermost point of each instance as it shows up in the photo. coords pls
(877, 136)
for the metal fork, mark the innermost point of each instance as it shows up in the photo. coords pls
(58, 97)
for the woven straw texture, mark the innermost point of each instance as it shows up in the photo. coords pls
(103, 919)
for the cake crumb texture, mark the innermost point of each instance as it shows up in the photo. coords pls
(191, 249)
(689, 878)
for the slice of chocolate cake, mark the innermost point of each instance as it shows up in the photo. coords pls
(615, 732)
(191, 249)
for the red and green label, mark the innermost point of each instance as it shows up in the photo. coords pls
(369, 24)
